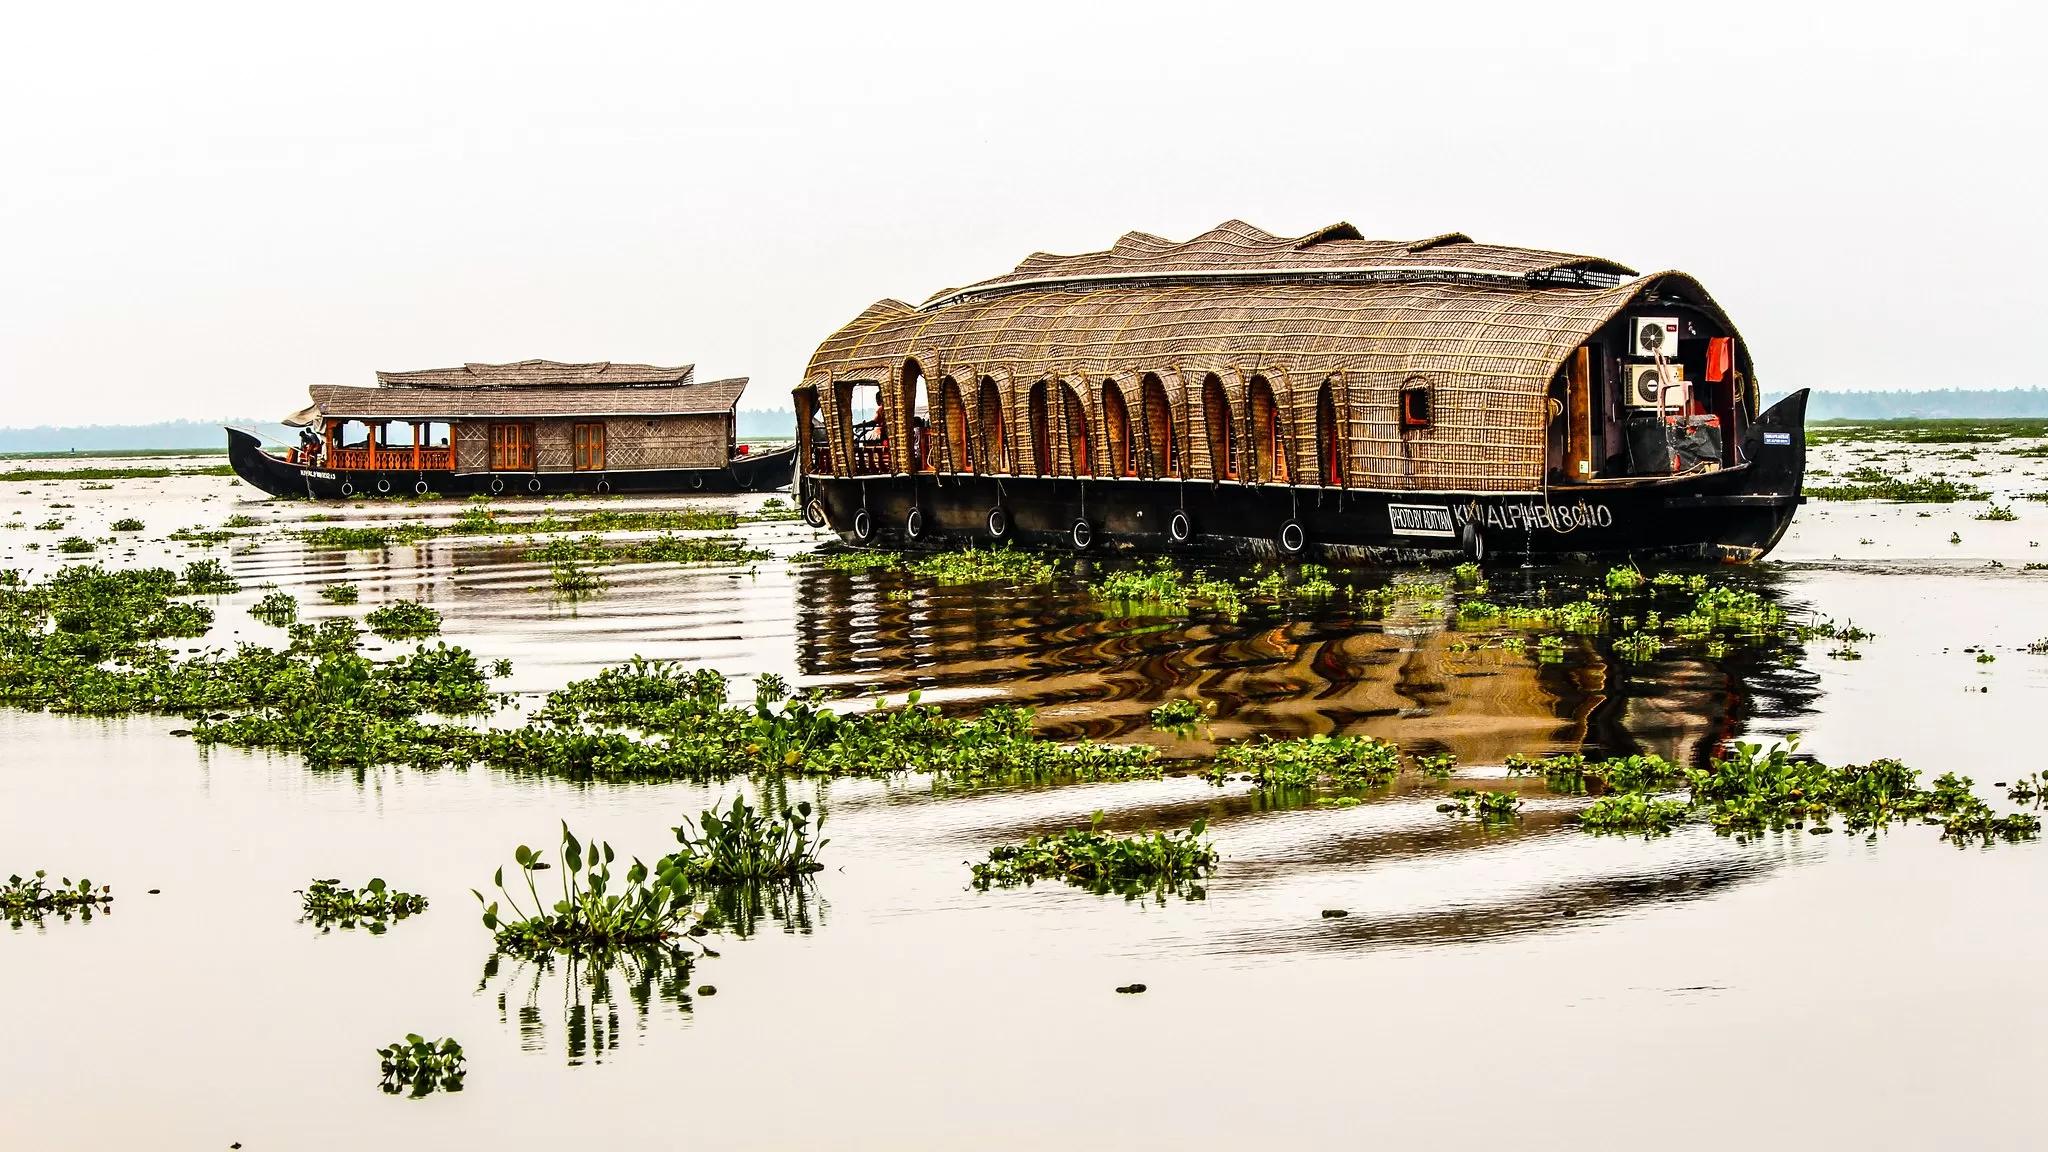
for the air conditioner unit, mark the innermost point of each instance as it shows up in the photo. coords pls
(1643, 380)
(1654, 334)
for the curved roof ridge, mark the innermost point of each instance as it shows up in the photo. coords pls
(1237, 250)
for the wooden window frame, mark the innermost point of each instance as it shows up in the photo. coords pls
(512, 444)
(1418, 407)
(582, 436)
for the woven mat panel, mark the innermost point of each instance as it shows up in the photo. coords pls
(472, 447)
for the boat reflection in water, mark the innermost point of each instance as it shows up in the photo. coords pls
(1411, 677)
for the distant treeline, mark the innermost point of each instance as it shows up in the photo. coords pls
(1955, 403)
(753, 424)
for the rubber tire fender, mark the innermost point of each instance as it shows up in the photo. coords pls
(1292, 538)
(814, 512)
(998, 523)
(863, 526)
(1082, 534)
(1180, 529)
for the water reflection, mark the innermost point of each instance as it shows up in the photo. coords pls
(589, 992)
(739, 908)
(1412, 676)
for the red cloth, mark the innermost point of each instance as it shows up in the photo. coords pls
(1720, 358)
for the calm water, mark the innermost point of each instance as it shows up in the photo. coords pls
(1532, 984)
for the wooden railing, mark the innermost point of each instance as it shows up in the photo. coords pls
(392, 459)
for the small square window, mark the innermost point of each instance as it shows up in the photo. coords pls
(1414, 405)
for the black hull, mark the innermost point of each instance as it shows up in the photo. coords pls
(755, 472)
(1736, 514)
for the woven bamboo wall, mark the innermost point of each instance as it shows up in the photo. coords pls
(473, 446)
(668, 442)
(1486, 351)
(554, 445)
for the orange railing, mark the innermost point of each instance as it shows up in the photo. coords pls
(392, 459)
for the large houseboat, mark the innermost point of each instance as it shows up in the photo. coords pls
(532, 428)
(1311, 395)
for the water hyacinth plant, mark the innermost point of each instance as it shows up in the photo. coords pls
(278, 608)
(327, 904)
(339, 593)
(593, 911)
(1749, 790)
(1131, 866)
(31, 899)
(418, 1066)
(403, 618)
(1317, 762)
(747, 845)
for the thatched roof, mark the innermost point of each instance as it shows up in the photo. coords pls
(541, 374)
(1487, 326)
(714, 397)
(1236, 250)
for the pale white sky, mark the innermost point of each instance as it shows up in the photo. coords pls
(206, 207)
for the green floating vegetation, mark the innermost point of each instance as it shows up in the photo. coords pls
(1182, 716)
(403, 619)
(74, 545)
(53, 524)
(126, 524)
(24, 474)
(1437, 765)
(328, 905)
(418, 1066)
(202, 536)
(1997, 512)
(972, 565)
(1750, 790)
(661, 549)
(242, 520)
(277, 607)
(1927, 431)
(1155, 863)
(854, 561)
(1342, 762)
(209, 578)
(746, 845)
(1872, 483)
(1163, 586)
(30, 900)
(81, 642)
(1489, 807)
(594, 913)
(339, 593)
(366, 539)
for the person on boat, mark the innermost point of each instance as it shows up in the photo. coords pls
(309, 446)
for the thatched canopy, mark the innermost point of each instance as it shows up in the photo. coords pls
(1487, 327)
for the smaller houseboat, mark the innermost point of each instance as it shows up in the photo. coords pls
(532, 428)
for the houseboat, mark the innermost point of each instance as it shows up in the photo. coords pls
(532, 428)
(1318, 395)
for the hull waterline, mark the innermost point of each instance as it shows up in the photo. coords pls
(754, 472)
(1733, 514)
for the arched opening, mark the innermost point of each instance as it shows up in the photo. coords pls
(865, 427)
(988, 429)
(1269, 447)
(1041, 431)
(1074, 414)
(920, 419)
(1329, 438)
(1161, 459)
(953, 436)
(1116, 430)
(1220, 430)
